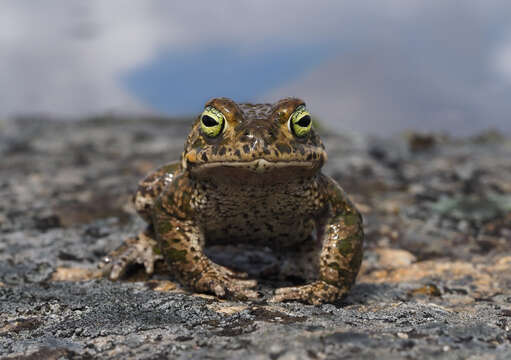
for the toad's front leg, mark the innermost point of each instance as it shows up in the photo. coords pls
(181, 243)
(340, 255)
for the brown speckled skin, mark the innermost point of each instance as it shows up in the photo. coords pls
(256, 183)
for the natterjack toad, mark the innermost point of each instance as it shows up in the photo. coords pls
(249, 173)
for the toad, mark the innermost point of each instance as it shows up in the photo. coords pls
(249, 174)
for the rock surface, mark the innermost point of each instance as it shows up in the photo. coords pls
(435, 283)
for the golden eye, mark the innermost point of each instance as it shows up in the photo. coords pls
(212, 122)
(300, 121)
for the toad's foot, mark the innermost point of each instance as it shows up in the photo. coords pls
(135, 250)
(226, 283)
(318, 292)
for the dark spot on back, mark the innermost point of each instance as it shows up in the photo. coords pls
(283, 148)
(271, 137)
(197, 143)
(237, 153)
(246, 149)
(222, 151)
(309, 157)
(204, 157)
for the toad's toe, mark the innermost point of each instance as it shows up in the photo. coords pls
(315, 293)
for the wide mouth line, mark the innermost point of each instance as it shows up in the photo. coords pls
(260, 162)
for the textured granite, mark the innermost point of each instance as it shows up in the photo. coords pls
(435, 283)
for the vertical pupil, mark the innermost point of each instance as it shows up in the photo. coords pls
(209, 121)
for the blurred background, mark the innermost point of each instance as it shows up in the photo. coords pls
(377, 67)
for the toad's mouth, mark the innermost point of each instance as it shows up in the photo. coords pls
(258, 165)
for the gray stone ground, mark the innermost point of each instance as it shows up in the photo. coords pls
(436, 279)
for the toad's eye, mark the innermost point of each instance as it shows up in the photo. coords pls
(212, 122)
(300, 122)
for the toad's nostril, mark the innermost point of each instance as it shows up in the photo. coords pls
(247, 137)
